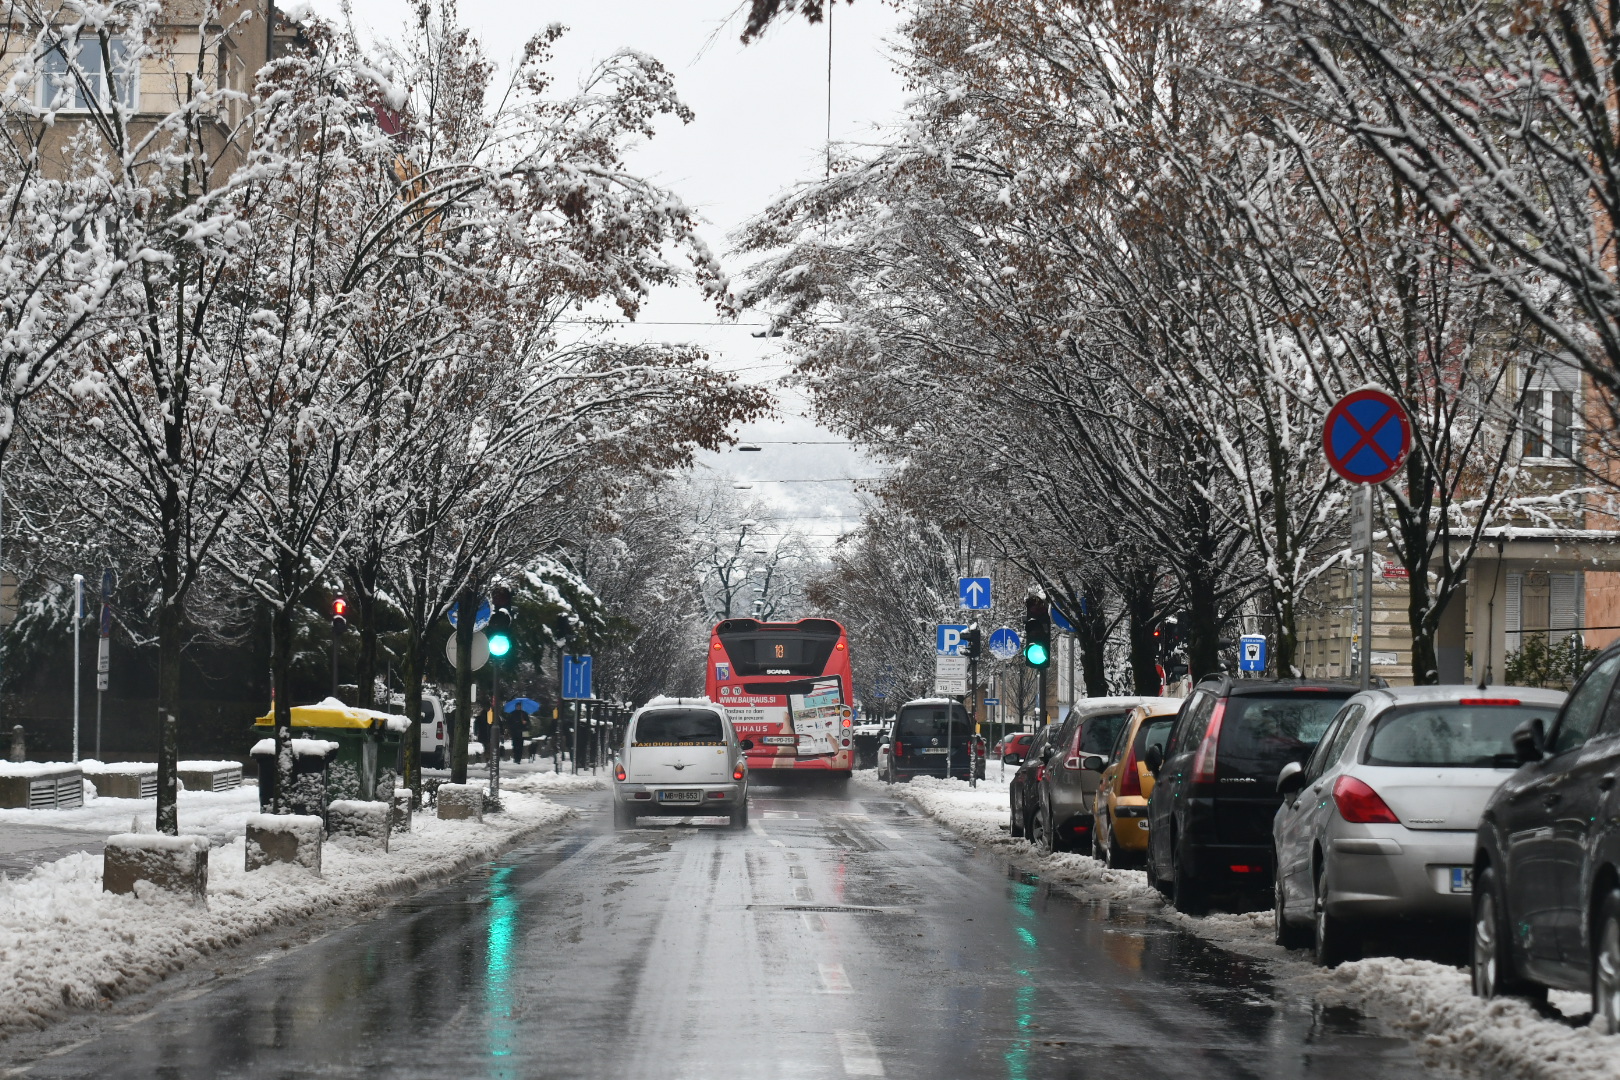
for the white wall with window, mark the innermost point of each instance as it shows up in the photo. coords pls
(78, 75)
(1549, 411)
(1539, 600)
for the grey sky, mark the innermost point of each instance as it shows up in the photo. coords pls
(760, 128)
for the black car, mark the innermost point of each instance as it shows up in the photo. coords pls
(928, 732)
(1547, 866)
(1024, 789)
(1216, 783)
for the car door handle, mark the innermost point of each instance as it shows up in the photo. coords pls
(1552, 798)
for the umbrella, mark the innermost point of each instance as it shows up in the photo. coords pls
(528, 705)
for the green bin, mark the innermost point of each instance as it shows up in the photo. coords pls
(366, 764)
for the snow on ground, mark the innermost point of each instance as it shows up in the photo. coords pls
(65, 944)
(218, 815)
(1431, 1003)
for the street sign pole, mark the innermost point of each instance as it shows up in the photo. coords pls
(1366, 595)
(78, 613)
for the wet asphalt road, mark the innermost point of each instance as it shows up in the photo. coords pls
(841, 935)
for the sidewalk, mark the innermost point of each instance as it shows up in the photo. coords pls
(23, 847)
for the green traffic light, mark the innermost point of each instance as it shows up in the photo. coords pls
(499, 645)
(1035, 654)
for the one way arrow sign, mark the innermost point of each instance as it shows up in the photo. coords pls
(974, 591)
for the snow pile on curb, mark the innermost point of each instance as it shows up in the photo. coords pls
(65, 944)
(1431, 1003)
(1435, 1005)
(540, 783)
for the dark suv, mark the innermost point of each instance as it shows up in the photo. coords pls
(1216, 792)
(928, 732)
(1547, 865)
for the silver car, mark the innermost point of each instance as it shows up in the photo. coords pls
(1379, 823)
(682, 758)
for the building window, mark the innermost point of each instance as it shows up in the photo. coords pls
(1547, 424)
(77, 86)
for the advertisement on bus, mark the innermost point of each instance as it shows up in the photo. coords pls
(786, 687)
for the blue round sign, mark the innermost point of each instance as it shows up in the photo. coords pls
(1366, 436)
(1004, 644)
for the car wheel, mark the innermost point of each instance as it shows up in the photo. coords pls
(1186, 895)
(1016, 826)
(622, 818)
(1492, 961)
(739, 820)
(1103, 842)
(1606, 966)
(1285, 933)
(1044, 841)
(1335, 941)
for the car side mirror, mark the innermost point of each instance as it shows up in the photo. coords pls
(1154, 759)
(1530, 740)
(745, 744)
(1047, 753)
(1094, 763)
(1291, 778)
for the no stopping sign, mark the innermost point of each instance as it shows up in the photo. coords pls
(1366, 436)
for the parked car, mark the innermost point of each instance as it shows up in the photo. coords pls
(927, 733)
(682, 758)
(1013, 749)
(1024, 787)
(1547, 861)
(434, 746)
(1379, 824)
(1209, 818)
(1121, 801)
(1068, 790)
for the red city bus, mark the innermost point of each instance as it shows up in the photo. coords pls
(786, 686)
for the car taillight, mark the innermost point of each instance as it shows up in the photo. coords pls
(1204, 763)
(1072, 763)
(737, 773)
(618, 772)
(897, 749)
(1360, 804)
(439, 734)
(1130, 781)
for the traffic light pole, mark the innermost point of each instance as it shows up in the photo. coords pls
(973, 696)
(495, 728)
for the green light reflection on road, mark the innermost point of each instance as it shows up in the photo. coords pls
(503, 912)
(1017, 1055)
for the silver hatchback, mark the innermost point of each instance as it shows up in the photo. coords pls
(1379, 823)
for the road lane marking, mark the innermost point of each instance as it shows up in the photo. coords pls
(860, 1056)
(891, 834)
(802, 892)
(834, 980)
(755, 826)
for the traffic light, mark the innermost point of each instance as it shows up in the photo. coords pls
(340, 611)
(972, 643)
(1037, 632)
(500, 621)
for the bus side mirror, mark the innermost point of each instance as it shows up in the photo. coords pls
(745, 744)
(1154, 759)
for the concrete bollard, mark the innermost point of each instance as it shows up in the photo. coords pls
(176, 864)
(400, 812)
(361, 824)
(284, 838)
(19, 745)
(463, 802)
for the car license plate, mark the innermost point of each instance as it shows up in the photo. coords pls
(935, 750)
(680, 796)
(781, 740)
(1462, 879)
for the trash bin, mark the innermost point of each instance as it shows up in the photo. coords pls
(368, 744)
(311, 760)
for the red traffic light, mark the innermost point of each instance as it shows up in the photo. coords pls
(340, 607)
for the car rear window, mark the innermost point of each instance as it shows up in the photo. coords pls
(1261, 734)
(1451, 734)
(679, 727)
(930, 721)
(1099, 732)
(1151, 733)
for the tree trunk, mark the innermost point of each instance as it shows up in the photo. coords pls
(1092, 630)
(466, 612)
(281, 639)
(171, 627)
(411, 676)
(366, 689)
(1144, 646)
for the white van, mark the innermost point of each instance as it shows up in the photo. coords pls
(681, 758)
(435, 744)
